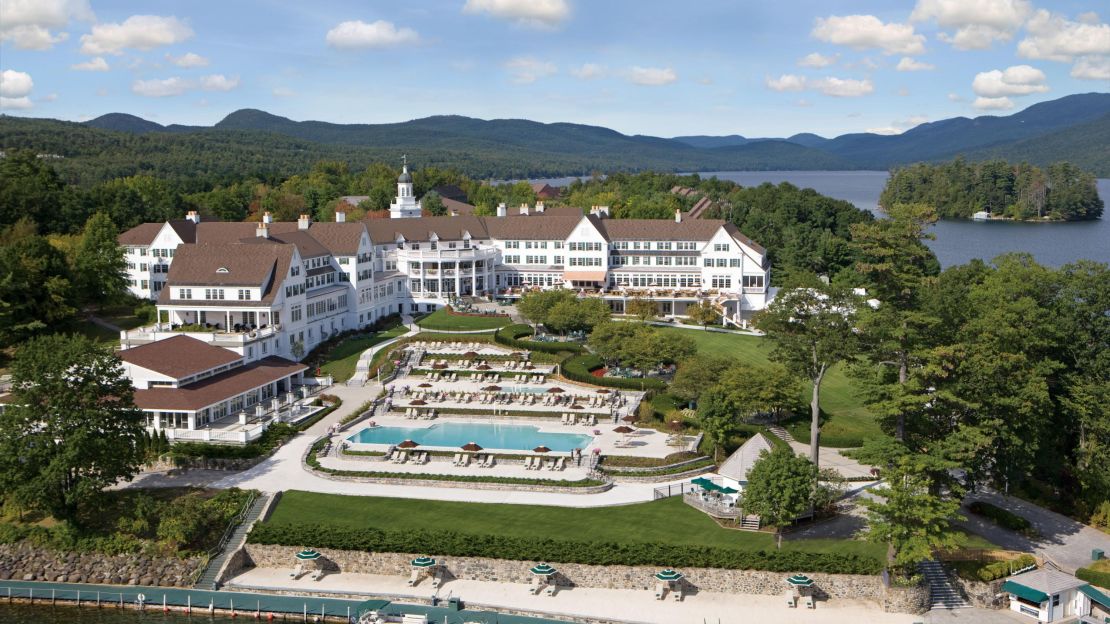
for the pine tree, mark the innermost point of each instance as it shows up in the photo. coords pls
(99, 265)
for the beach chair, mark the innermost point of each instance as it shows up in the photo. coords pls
(437, 578)
(414, 577)
(457, 459)
(465, 461)
(562, 463)
(297, 570)
(677, 592)
(317, 573)
(536, 587)
(660, 590)
(490, 461)
(551, 587)
(809, 602)
(528, 463)
(564, 419)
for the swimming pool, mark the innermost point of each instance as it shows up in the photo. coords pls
(488, 435)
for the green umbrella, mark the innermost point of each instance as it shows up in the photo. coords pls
(800, 580)
(423, 562)
(308, 554)
(668, 575)
(728, 490)
(706, 484)
(543, 570)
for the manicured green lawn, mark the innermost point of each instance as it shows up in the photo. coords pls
(98, 334)
(666, 521)
(848, 421)
(442, 321)
(343, 358)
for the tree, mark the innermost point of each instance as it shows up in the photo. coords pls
(717, 419)
(812, 330)
(575, 314)
(696, 374)
(432, 203)
(643, 309)
(536, 305)
(71, 429)
(36, 291)
(702, 313)
(913, 512)
(752, 390)
(31, 189)
(780, 487)
(100, 267)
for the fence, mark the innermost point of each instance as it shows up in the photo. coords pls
(674, 489)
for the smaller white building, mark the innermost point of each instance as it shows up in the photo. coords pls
(1050, 596)
(734, 471)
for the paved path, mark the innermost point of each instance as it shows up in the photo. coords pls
(1066, 542)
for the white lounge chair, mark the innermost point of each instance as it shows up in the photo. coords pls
(537, 585)
(458, 458)
(660, 590)
(809, 602)
(677, 589)
(551, 587)
(437, 578)
(562, 463)
(297, 571)
(528, 463)
(791, 601)
(317, 573)
(414, 577)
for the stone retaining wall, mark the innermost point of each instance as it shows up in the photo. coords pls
(610, 577)
(672, 476)
(983, 595)
(634, 469)
(24, 562)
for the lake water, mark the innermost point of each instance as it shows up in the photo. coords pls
(958, 241)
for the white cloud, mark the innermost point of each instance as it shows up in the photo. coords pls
(902, 92)
(908, 64)
(380, 34)
(786, 82)
(96, 64)
(161, 88)
(30, 24)
(50, 97)
(652, 76)
(525, 69)
(996, 103)
(189, 59)
(15, 103)
(588, 71)
(15, 84)
(1016, 80)
(955, 97)
(898, 127)
(977, 24)
(535, 13)
(831, 86)
(218, 82)
(815, 59)
(1092, 68)
(283, 92)
(885, 130)
(867, 31)
(1054, 38)
(139, 32)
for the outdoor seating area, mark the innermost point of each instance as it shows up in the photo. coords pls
(470, 394)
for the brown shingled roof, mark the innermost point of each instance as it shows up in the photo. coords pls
(457, 207)
(532, 227)
(446, 228)
(659, 229)
(178, 357)
(217, 388)
(245, 264)
(142, 234)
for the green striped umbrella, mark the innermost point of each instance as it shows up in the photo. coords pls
(728, 490)
(543, 569)
(668, 575)
(423, 562)
(800, 580)
(308, 554)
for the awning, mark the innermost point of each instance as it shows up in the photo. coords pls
(1095, 595)
(1021, 591)
(584, 276)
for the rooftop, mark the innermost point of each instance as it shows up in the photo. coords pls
(217, 388)
(178, 357)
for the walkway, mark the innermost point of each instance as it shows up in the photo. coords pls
(828, 457)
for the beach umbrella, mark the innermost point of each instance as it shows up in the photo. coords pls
(308, 554)
(482, 367)
(668, 575)
(603, 391)
(470, 354)
(541, 449)
(728, 490)
(492, 388)
(425, 385)
(471, 447)
(706, 484)
(408, 444)
(423, 562)
(629, 418)
(418, 402)
(556, 390)
(799, 580)
(543, 570)
(623, 429)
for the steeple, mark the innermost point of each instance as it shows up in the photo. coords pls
(404, 206)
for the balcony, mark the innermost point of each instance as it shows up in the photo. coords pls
(435, 255)
(715, 507)
(219, 338)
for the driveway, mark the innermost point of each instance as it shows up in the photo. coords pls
(1064, 541)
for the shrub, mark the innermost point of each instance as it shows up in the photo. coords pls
(498, 546)
(578, 367)
(511, 335)
(1094, 576)
(1001, 517)
(1000, 569)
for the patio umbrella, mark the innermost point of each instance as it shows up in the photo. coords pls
(800, 580)
(407, 444)
(492, 388)
(308, 554)
(423, 562)
(482, 367)
(603, 391)
(576, 406)
(629, 418)
(541, 449)
(668, 575)
(623, 429)
(556, 390)
(543, 570)
(471, 447)
(706, 484)
(470, 354)
(728, 490)
(425, 385)
(418, 402)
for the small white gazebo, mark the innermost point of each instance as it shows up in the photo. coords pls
(734, 470)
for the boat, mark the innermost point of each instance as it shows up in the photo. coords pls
(982, 215)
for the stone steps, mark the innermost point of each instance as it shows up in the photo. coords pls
(208, 580)
(943, 593)
(780, 432)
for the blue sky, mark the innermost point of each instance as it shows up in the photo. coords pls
(755, 68)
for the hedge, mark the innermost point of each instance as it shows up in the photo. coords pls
(1000, 569)
(511, 335)
(578, 367)
(1001, 517)
(537, 548)
(273, 437)
(1094, 577)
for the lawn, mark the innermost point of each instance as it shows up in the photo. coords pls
(343, 358)
(848, 420)
(666, 521)
(440, 320)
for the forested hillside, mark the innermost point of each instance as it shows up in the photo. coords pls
(959, 189)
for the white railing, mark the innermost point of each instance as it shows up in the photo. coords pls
(430, 255)
(153, 333)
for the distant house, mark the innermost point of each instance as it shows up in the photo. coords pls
(450, 191)
(457, 208)
(354, 200)
(544, 191)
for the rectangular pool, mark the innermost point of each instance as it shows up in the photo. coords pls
(487, 435)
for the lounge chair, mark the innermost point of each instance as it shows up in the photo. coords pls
(562, 463)
(537, 585)
(458, 459)
(297, 570)
(317, 573)
(437, 578)
(660, 590)
(551, 587)
(489, 461)
(414, 577)
(677, 589)
(809, 602)
(528, 463)
(465, 461)
(790, 600)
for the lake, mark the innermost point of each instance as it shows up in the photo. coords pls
(957, 241)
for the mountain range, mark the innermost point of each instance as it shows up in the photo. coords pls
(1074, 128)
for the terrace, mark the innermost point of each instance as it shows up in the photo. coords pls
(216, 336)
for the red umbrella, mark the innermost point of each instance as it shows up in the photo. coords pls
(418, 402)
(541, 449)
(470, 354)
(603, 391)
(471, 447)
(556, 390)
(623, 429)
(425, 385)
(629, 418)
(492, 388)
(482, 367)
(407, 444)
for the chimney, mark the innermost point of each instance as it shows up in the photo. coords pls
(677, 216)
(263, 230)
(599, 211)
(502, 210)
(302, 222)
(540, 207)
(267, 217)
(340, 215)
(193, 216)
(524, 209)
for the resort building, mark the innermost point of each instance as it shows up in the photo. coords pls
(1046, 595)
(281, 288)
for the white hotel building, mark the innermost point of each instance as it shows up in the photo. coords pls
(278, 289)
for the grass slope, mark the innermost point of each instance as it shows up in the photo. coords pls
(440, 320)
(344, 357)
(848, 420)
(667, 521)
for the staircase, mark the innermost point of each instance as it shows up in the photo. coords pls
(750, 522)
(780, 432)
(943, 593)
(231, 542)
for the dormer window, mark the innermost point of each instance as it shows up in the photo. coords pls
(222, 270)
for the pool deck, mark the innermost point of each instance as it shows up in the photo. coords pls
(622, 605)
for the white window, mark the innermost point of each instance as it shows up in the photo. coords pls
(720, 246)
(753, 281)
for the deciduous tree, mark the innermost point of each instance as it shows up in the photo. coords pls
(780, 487)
